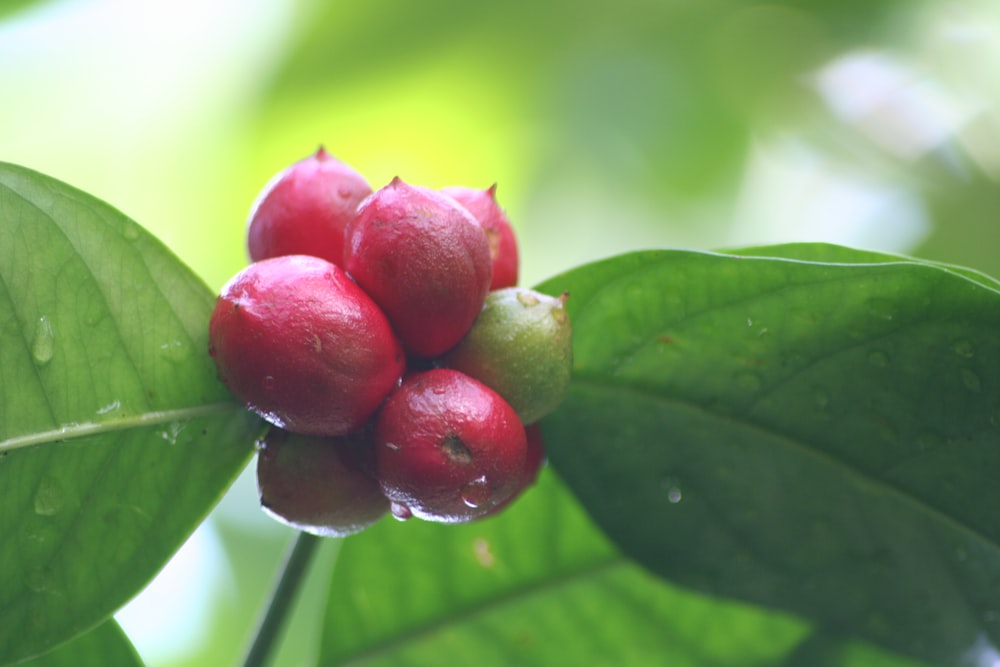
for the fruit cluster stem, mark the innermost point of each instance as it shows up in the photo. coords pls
(290, 577)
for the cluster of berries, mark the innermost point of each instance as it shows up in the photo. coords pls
(383, 335)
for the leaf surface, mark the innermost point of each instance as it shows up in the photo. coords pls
(813, 431)
(116, 438)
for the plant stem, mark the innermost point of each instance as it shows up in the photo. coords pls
(292, 572)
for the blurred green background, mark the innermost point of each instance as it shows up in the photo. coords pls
(608, 127)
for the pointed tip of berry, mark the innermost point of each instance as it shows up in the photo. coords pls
(396, 182)
(321, 153)
(492, 191)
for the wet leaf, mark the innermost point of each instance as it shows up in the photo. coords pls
(818, 437)
(116, 439)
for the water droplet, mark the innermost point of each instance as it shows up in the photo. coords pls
(399, 511)
(674, 495)
(268, 382)
(344, 193)
(971, 380)
(48, 497)
(130, 231)
(484, 555)
(964, 348)
(175, 351)
(476, 493)
(883, 309)
(43, 344)
(878, 358)
(39, 580)
(172, 432)
(113, 406)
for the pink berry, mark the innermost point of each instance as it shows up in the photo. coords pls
(304, 209)
(483, 206)
(447, 447)
(426, 262)
(298, 342)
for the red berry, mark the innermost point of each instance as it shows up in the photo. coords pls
(302, 345)
(447, 447)
(483, 206)
(424, 259)
(304, 209)
(533, 461)
(318, 484)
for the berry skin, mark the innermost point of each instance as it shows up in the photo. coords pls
(303, 210)
(521, 347)
(448, 448)
(318, 484)
(426, 262)
(299, 343)
(483, 206)
(534, 459)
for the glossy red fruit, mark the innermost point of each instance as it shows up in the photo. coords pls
(534, 459)
(297, 341)
(447, 447)
(303, 210)
(424, 259)
(483, 206)
(318, 485)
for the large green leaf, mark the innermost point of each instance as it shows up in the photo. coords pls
(104, 645)
(103, 339)
(814, 436)
(540, 585)
(536, 585)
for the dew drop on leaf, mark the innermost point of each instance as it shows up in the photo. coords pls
(175, 351)
(43, 342)
(971, 380)
(48, 497)
(964, 348)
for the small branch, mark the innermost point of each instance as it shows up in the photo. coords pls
(292, 572)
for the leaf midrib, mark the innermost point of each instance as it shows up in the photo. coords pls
(145, 419)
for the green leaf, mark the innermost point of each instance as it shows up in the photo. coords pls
(116, 438)
(536, 585)
(816, 437)
(104, 645)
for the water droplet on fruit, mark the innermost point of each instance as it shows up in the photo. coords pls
(48, 497)
(344, 193)
(43, 344)
(268, 382)
(399, 511)
(476, 493)
(971, 380)
(878, 358)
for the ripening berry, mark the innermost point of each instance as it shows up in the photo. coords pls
(448, 448)
(483, 206)
(303, 210)
(521, 347)
(424, 260)
(297, 341)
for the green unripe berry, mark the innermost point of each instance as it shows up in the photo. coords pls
(519, 346)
